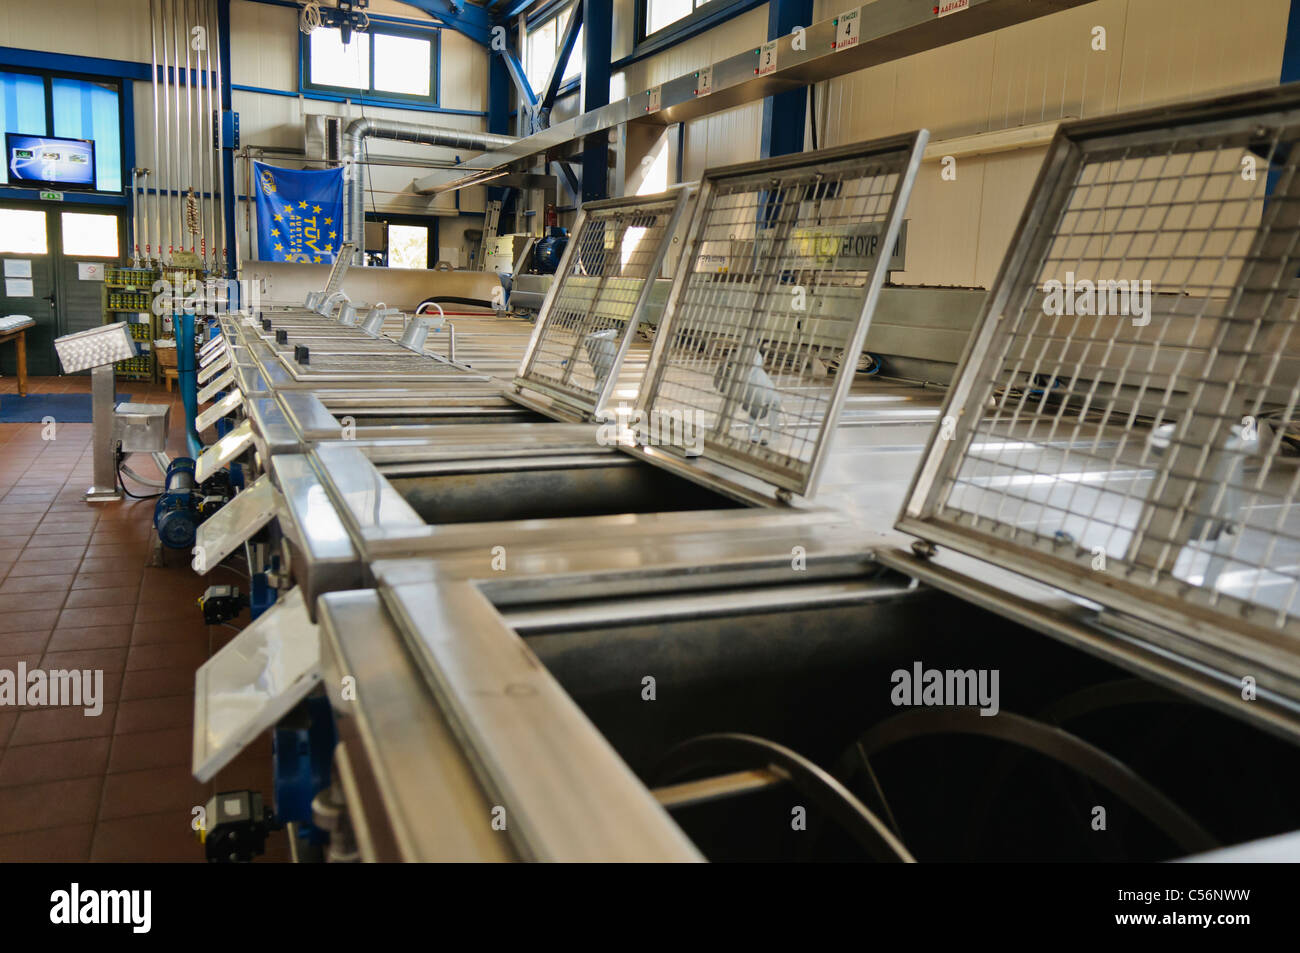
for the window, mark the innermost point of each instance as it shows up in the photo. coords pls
(384, 64)
(402, 65)
(84, 110)
(333, 64)
(40, 105)
(408, 246)
(656, 15)
(22, 232)
(89, 234)
(543, 47)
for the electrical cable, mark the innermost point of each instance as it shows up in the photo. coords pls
(121, 482)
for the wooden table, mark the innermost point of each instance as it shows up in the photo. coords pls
(19, 337)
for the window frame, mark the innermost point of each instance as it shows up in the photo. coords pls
(550, 14)
(431, 222)
(721, 10)
(47, 77)
(371, 95)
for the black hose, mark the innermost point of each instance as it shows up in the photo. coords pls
(454, 299)
(122, 483)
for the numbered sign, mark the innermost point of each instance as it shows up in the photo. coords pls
(704, 81)
(848, 30)
(766, 58)
(653, 99)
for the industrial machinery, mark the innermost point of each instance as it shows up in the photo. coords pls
(570, 648)
(184, 503)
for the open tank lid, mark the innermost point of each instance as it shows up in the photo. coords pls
(597, 299)
(779, 278)
(1122, 426)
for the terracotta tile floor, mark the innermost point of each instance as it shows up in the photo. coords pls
(75, 592)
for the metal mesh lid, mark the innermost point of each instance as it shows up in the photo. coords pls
(1123, 425)
(778, 281)
(594, 304)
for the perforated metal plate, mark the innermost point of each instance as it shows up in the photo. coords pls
(594, 304)
(339, 268)
(1123, 425)
(778, 279)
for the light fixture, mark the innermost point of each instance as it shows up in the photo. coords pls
(95, 348)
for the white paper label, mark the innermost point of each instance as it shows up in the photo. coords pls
(90, 271)
(653, 99)
(947, 7)
(767, 58)
(19, 288)
(704, 81)
(848, 30)
(18, 267)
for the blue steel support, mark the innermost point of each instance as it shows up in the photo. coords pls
(498, 109)
(465, 18)
(785, 114)
(598, 19)
(556, 79)
(1290, 73)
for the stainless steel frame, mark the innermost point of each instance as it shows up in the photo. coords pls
(600, 288)
(723, 336)
(1140, 460)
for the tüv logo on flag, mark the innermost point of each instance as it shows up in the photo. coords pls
(299, 213)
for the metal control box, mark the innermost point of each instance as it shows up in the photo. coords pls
(141, 428)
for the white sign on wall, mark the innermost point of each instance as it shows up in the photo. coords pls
(848, 30)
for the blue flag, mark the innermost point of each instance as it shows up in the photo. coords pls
(299, 213)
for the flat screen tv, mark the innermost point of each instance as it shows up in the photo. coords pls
(39, 161)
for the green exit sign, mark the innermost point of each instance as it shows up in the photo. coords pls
(51, 196)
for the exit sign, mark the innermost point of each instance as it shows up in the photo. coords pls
(51, 196)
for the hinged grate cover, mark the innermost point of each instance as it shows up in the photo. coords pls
(778, 281)
(1124, 422)
(594, 304)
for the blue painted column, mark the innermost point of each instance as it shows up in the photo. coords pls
(187, 377)
(597, 47)
(785, 114)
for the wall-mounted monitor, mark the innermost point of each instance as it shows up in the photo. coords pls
(40, 161)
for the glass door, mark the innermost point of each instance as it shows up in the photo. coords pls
(54, 258)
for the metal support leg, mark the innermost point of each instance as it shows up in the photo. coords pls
(102, 399)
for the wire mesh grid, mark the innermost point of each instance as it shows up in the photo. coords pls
(617, 251)
(778, 282)
(339, 268)
(1129, 404)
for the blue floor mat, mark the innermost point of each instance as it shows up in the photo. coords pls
(34, 408)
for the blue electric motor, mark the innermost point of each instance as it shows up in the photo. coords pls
(547, 252)
(183, 504)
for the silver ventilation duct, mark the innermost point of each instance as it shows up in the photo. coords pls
(354, 137)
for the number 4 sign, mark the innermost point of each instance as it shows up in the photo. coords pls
(848, 30)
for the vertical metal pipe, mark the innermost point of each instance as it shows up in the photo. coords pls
(162, 146)
(206, 174)
(189, 121)
(153, 69)
(135, 217)
(178, 202)
(221, 165)
(238, 249)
